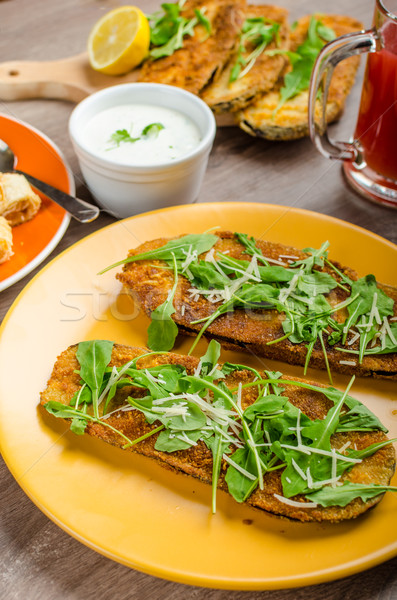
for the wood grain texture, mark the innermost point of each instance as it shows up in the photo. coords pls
(37, 559)
(67, 79)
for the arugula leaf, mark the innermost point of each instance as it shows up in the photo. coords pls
(203, 20)
(57, 409)
(169, 441)
(168, 29)
(258, 33)
(169, 375)
(346, 493)
(191, 420)
(178, 248)
(228, 368)
(320, 431)
(369, 450)
(210, 360)
(251, 247)
(303, 59)
(266, 407)
(316, 283)
(316, 258)
(387, 347)
(365, 289)
(82, 396)
(63, 411)
(359, 418)
(239, 485)
(163, 25)
(268, 274)
(94, 356)
(78, 425)
(163, 330)
(206, 276)
(326, 33)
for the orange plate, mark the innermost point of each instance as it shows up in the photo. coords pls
(129, 508)
(33, 241)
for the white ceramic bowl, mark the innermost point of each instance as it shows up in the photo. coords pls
(124, 189)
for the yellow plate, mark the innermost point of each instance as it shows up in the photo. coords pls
(129, 508)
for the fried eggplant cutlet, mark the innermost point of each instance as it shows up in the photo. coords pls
(268, 299)
(203, 55)
(251, 70)
(272, 118)
(285, 446)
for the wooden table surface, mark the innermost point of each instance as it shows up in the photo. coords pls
(38, 559)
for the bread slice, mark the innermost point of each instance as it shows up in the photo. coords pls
(226, 96)
(196, 460)
(262, 118)
(256, 330)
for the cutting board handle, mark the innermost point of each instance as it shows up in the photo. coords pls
(67, 79)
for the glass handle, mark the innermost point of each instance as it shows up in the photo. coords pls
(332, 53)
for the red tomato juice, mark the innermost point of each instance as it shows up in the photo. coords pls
(376, 129)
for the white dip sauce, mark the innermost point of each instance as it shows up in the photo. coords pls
(178, 137)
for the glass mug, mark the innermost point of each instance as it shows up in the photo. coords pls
(370, 160)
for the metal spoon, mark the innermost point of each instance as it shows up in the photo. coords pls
(79, 209)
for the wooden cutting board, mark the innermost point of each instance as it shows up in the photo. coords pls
(69, 79)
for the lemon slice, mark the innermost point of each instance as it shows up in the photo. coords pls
(119, 41)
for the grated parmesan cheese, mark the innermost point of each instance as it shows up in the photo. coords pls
(389, 331)
(184, 438)
(285, 292)
(231, 462)
(294, 503)
(355, 337)
(344, 447)
(273, 260)
(298, 469)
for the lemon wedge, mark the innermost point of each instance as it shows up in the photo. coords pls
(119, 41)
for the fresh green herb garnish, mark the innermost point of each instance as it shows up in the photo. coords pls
(269, 434)
(163, 330)
(300, 291)
(203, 20)
(257, 32)
(303, 60)
(178, 249)
(122, 136)
(152, 130)
(349, 491)
(94, 357)
(168, 28)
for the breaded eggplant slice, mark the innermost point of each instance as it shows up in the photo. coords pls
(203, 55)
(224, 95)
(290, 122)
(251, 330)
(196, 461)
